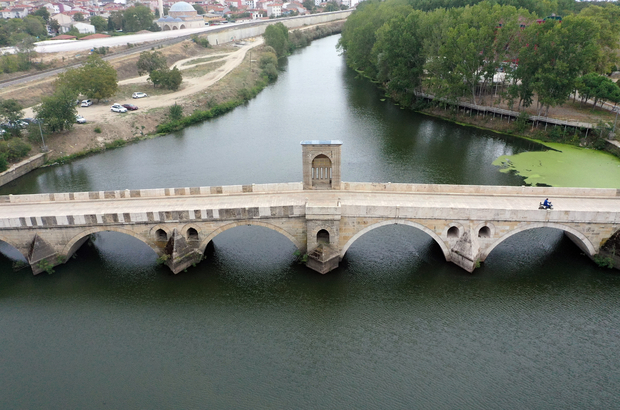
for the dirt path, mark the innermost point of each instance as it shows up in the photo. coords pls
(101, 112)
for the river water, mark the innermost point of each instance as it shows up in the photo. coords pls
(395, 327)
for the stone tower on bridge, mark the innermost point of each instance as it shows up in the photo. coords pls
(321, 168)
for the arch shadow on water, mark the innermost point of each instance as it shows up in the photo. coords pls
(11, 258)
(389, 250)
(537, 249)
(250, 253)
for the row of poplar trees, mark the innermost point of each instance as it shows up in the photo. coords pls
(457, 52)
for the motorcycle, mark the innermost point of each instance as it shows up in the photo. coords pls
(543, 206)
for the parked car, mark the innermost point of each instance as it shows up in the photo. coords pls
(14, 124)
(139, 95)
(118, 108)
(130, 107)
(31, 120)
(87, 103)
(80, 120)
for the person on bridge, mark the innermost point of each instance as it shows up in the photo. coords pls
(547, 203)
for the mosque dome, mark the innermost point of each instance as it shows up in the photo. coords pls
(182, 6)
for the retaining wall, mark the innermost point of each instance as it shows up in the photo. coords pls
(22, 168)
(258, 28)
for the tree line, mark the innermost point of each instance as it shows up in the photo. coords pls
(466, 51)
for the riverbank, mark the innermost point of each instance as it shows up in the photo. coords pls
(216, 80)
(555, 164)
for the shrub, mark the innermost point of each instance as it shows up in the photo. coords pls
(201, 41)
(270, 72)
(97, 130)
(175, 112)
(14, 149)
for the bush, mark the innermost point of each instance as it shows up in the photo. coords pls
(201, 41)
(175, 112)
(97, 130)
(14, 149)
(270, 72)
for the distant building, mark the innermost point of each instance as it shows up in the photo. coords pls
(180, 16)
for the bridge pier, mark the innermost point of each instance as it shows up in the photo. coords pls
(180, 253)
(42, 256)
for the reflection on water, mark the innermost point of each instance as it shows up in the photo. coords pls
(396, 326)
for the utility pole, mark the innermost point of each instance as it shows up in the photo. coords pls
(42, 139)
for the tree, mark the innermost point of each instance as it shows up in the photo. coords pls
(100, 23)
(150, 61)
(25, 51)
(78, 17)
(137, 18)
(57, 111)
(398, 53)
(10, 113)
(276, 36)
(199, 9)
(169, 79)
(115, 21)
(54, 25)
(308, 4)
(332, 6)
(43, 13)
(96, 79)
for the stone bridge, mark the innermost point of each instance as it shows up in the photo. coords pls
(321, 216)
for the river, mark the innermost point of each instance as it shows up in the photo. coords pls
(395, 327)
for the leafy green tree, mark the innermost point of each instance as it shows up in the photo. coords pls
(10, 112)
(199, 9)
(332, 6)
(57, 111)
(54, 25)
(25, 52)
(599, 87)
(150, 61)
(359, 32)
(398, 53)
(78, 17)
(43, 13)
(116, 21)
(96, 79)
(137, 18)
(100, 23)
(276, 36)
(608, 18)
(169, 79)
(308, 4)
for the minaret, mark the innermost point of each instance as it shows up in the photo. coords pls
(161, 8)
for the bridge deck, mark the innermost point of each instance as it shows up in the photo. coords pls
(454, 200)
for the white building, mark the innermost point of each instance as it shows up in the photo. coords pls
(274, 9)
(84, 28)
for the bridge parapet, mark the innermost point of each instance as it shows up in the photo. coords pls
(467, 222)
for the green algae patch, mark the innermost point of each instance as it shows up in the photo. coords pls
(564, 166)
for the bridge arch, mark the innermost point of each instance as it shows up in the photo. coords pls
(78, 240)
(5, 240)
(587, 244)
(205, 242)
(440, 242)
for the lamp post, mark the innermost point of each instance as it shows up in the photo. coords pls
(42, 139)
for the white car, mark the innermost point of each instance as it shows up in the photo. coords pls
(139, 95)
(118, 108)
(80, 120)
(86, 103)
